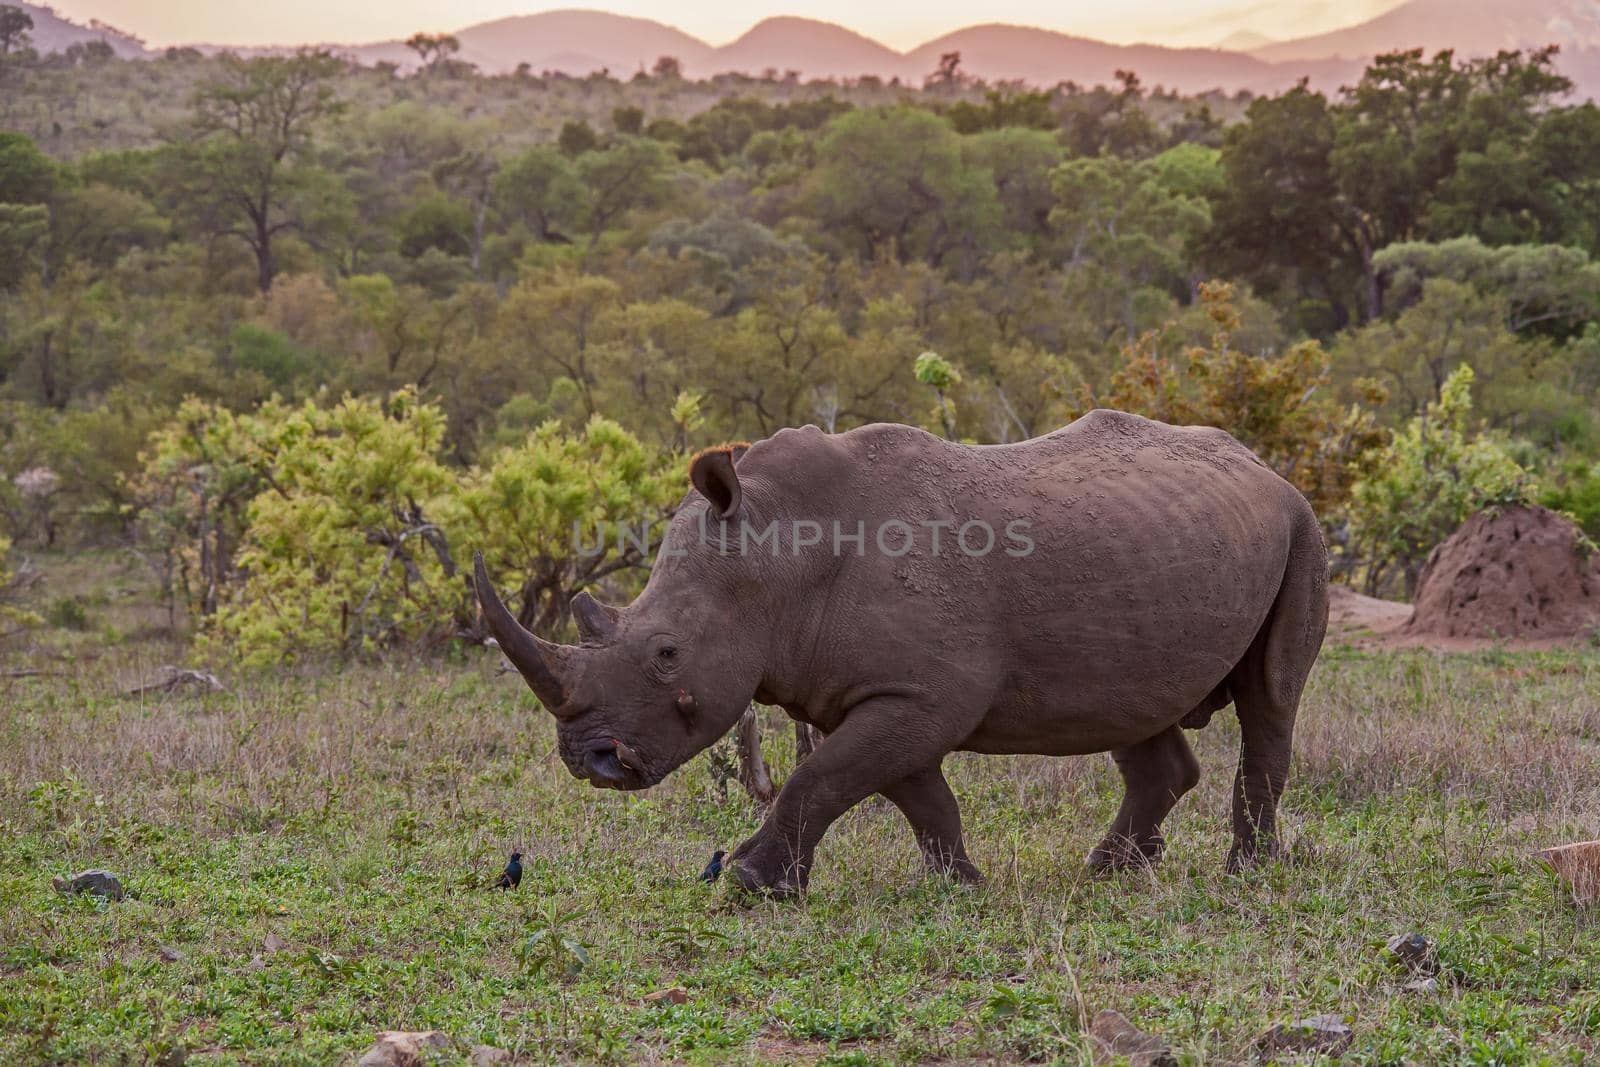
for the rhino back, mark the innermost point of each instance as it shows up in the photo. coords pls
(1153, 556)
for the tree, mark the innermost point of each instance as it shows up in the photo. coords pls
(1020, 162)
(433, 48)
(27, 175)
(628, 174)
(470, 175)
(1552, 290)
(28, 182)
(628, 120)
(947, 74)
(539, 189)
(1121, 235)
(1111, 121)
(577, 137)
(894, 181)
(1280, 220)
(1280, 407)
(1528, 385)
(934, 371)
(15, 26)
(560, 321)
(251, 154)
(197, 477)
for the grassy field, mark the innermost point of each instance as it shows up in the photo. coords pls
(315, 845)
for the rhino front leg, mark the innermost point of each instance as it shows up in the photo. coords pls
(881, 743)
(930, 807)
(1155, 772)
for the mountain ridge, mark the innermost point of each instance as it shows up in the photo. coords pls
(579, 41)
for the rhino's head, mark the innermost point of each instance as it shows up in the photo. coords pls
(653, 683)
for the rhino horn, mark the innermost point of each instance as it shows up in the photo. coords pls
(596, 621)
(540, 662)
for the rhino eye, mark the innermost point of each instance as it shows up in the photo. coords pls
(668, 652)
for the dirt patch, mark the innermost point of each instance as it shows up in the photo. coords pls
(1352, 614)
(1516, 574)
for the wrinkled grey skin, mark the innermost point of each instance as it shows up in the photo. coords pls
(1172, 572)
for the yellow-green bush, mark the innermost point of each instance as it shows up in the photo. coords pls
(561, 511)
(1432, 474)
(345, 546)
(305, 530)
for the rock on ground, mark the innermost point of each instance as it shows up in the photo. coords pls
(96, 883)
(1115, 1039)
(1326, 1034)
(1413, 952)
(402, 1048)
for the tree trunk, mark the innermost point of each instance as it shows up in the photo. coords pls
(479, 225)
(263, 250)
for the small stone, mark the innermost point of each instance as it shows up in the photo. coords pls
(1116, 1040)
(675, 995)
(1412, 951)
(1579, 866)
(1320, 1033)
(95, 882)
(169, 954)
(1422, 987)
(256, 965)
(273, 944)
(402, 1048)
(488, 1056)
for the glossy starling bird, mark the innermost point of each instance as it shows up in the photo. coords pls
(714, 868)
(512, 877)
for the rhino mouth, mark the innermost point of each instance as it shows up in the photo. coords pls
(611, 764)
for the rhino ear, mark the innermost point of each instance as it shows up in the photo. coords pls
(712, 473)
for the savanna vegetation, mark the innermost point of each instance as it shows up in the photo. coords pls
(283, 340)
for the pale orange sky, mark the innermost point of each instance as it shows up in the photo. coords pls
(899, 23)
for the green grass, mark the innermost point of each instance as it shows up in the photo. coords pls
(358, 814)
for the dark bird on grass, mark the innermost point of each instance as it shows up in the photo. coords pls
(714, 868)
(512, 876)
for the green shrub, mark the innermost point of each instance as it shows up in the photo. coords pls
(295, 531)
(68, 613)
(1577, 495)
(1431, 475)
(345, 547)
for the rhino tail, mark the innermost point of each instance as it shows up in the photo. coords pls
(1299, 618)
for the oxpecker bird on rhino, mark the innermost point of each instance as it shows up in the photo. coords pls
(1101, 588)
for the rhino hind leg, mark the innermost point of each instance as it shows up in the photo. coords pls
(1156, 773)
(929, 806)
(1266, 687)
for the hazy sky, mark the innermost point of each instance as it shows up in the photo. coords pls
(899, 23)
